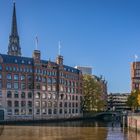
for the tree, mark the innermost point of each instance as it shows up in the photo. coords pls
(92, 91)
(134, 100)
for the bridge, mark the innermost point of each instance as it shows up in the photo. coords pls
(108, 115)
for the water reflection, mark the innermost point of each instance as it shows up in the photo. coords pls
(80, 130)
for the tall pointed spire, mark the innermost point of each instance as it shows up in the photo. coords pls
(14, 23)
(14, 45)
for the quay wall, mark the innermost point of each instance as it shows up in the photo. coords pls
(133, 122)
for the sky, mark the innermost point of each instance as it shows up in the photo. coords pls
(104, 34)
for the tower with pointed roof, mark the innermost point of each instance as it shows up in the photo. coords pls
(14, 45)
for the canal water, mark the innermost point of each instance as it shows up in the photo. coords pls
(73, 130)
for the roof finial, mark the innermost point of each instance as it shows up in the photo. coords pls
(59, 47)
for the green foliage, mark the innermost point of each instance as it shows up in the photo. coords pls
(133, 99)
(92, 91)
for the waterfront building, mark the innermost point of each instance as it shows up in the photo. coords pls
(117, 102)
(34, 89)
(135, 76)
(85, 69)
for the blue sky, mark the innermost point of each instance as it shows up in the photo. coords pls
(104, 34)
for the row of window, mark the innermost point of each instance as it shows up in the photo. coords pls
(43, 111)
(38, 95)
(19, 69)
(16, 94)
(17, 77)
(39, 104)
(39, 79)
(16, 85)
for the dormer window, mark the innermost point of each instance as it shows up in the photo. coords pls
(15, 60)
(29, 62)
(22, 61)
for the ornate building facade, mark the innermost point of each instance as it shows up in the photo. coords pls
(34, 89)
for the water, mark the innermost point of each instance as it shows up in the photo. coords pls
(79, 130)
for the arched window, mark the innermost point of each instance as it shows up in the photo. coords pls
(37, 96)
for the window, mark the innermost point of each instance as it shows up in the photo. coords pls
(65, 104)
(55, 111)
(23, 86)
(49, 88)
(60, 104)
(23, 103)
(9, 94)
(9, 111)
(16, 94)
(16, 77)
(43, 95)
(9, 85)
(15, 60)
(44, 111)
(29, 95)
(9, 77)
(43, 87)
(49, 111)
(53, 88)
(30, 112)
(10, 68)
(22, 77)
(54, 96)
(23, 111)
(16, 104)
(37, 96)
(23, 95)
(44, 79)
(22, 61)
(38, 111)
(49, 104)
(37, 86)
(15, 85)
(49, 96)
(9, 103)
(7, 68)
(54, 81)
(49, 81)
(16, 111)
(14, 68)
(37, 104)
(44, 104)
(29, 78)
(60, 111)
(29, 103)
(55, 104)
(30, 86)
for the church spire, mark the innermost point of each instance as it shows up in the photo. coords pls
(14, 23)
(14, 45)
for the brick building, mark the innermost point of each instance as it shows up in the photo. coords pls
(135, 76)
(32, 88)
